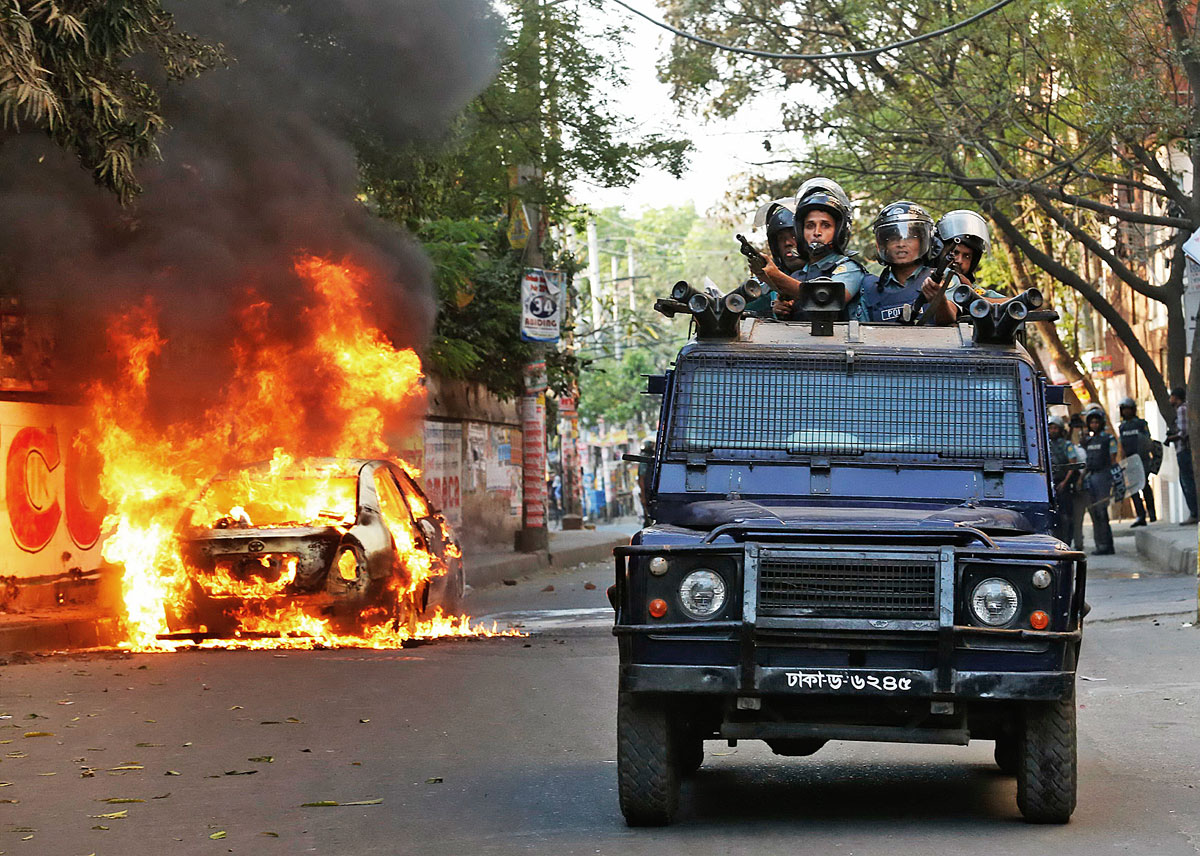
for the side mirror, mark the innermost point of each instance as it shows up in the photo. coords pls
(1056, 394)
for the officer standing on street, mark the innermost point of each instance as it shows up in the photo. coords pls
(1100, 449)
(1136, 440)
(1183, 451)
(903, 237)
(1065, 473)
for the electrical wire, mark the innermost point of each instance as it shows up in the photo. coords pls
(868, 53)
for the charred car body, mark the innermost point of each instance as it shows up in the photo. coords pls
(850, 543)
(351, 540)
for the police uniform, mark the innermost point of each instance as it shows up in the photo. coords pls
(1135, 440)
(1101, 454)
(884, 297)
(1062, 455)
(841, 268)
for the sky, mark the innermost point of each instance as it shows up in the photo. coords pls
(723, 149)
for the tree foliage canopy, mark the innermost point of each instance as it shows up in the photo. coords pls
(547, 109)
(65, 68)
(1068, 122)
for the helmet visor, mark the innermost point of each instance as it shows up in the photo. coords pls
(902, 243)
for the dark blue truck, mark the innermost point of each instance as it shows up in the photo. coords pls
(850, 542)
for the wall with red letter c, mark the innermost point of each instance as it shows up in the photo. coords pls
(52, 511)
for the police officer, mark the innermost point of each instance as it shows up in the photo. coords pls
(1064, 471)
(903, 238)
(1136, 440)
(1183, 451)
(1100, 449)
(964, 237)
(824, 231)
(780, 221)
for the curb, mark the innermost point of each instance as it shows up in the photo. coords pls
(60, 634)
(1170, 555)
(493, 573)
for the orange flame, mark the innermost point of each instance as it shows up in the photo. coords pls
(366, 389)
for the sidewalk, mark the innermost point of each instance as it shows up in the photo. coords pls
(566, 549)
(1169, 546)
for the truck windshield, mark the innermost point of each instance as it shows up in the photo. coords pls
(871, 407)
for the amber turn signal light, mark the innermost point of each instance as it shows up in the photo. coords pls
(658, 607)
(1039, 620)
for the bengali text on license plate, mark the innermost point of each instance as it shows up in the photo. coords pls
(858, 682)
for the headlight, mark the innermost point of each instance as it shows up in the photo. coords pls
(995, 602)
(702, 594)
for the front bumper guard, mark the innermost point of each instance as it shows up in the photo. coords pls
(942, 683)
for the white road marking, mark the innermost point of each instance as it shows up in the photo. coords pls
(549, 620)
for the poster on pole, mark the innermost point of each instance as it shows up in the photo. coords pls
(542, 293)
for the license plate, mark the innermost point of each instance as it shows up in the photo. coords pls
(826, 680)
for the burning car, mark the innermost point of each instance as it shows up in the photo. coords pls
(351, 542)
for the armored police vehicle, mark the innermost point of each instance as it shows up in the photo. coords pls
(850, 543)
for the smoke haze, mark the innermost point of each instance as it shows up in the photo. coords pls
(258, 165)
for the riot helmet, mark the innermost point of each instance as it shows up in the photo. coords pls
(820, 199)
(1059, 421)
(1094, 413)
(767, 208)
(1130, 403)
(969, 228)
(899, 221)
(779, 221)
(827, 185)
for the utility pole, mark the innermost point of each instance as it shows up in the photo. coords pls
(618, 333)
(532, 537)
(594, 285)
(632, 271)
(568, 416)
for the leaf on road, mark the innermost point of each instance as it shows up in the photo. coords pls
(119, 800)
(65, 701)
(364, 721)
(125, 768)
(5, 784)
(114, 815)
(100, 827)
(293, 719)
(161, 796)
(240, 772)
(10, 802)
(435, 780)
(39, 733)
(172, 773)
(262, 759)
(237, 707)
(149, 745)
(335, 803)
(217, 836)
(272, 834)
(270, 722)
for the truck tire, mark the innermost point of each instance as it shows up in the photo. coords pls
(647, 773)
(1047, 768)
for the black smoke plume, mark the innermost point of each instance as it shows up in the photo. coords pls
(258, 165)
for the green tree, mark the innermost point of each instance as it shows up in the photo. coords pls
(554, 118)
(65, 68)
(1071, 123)
(668, 244)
